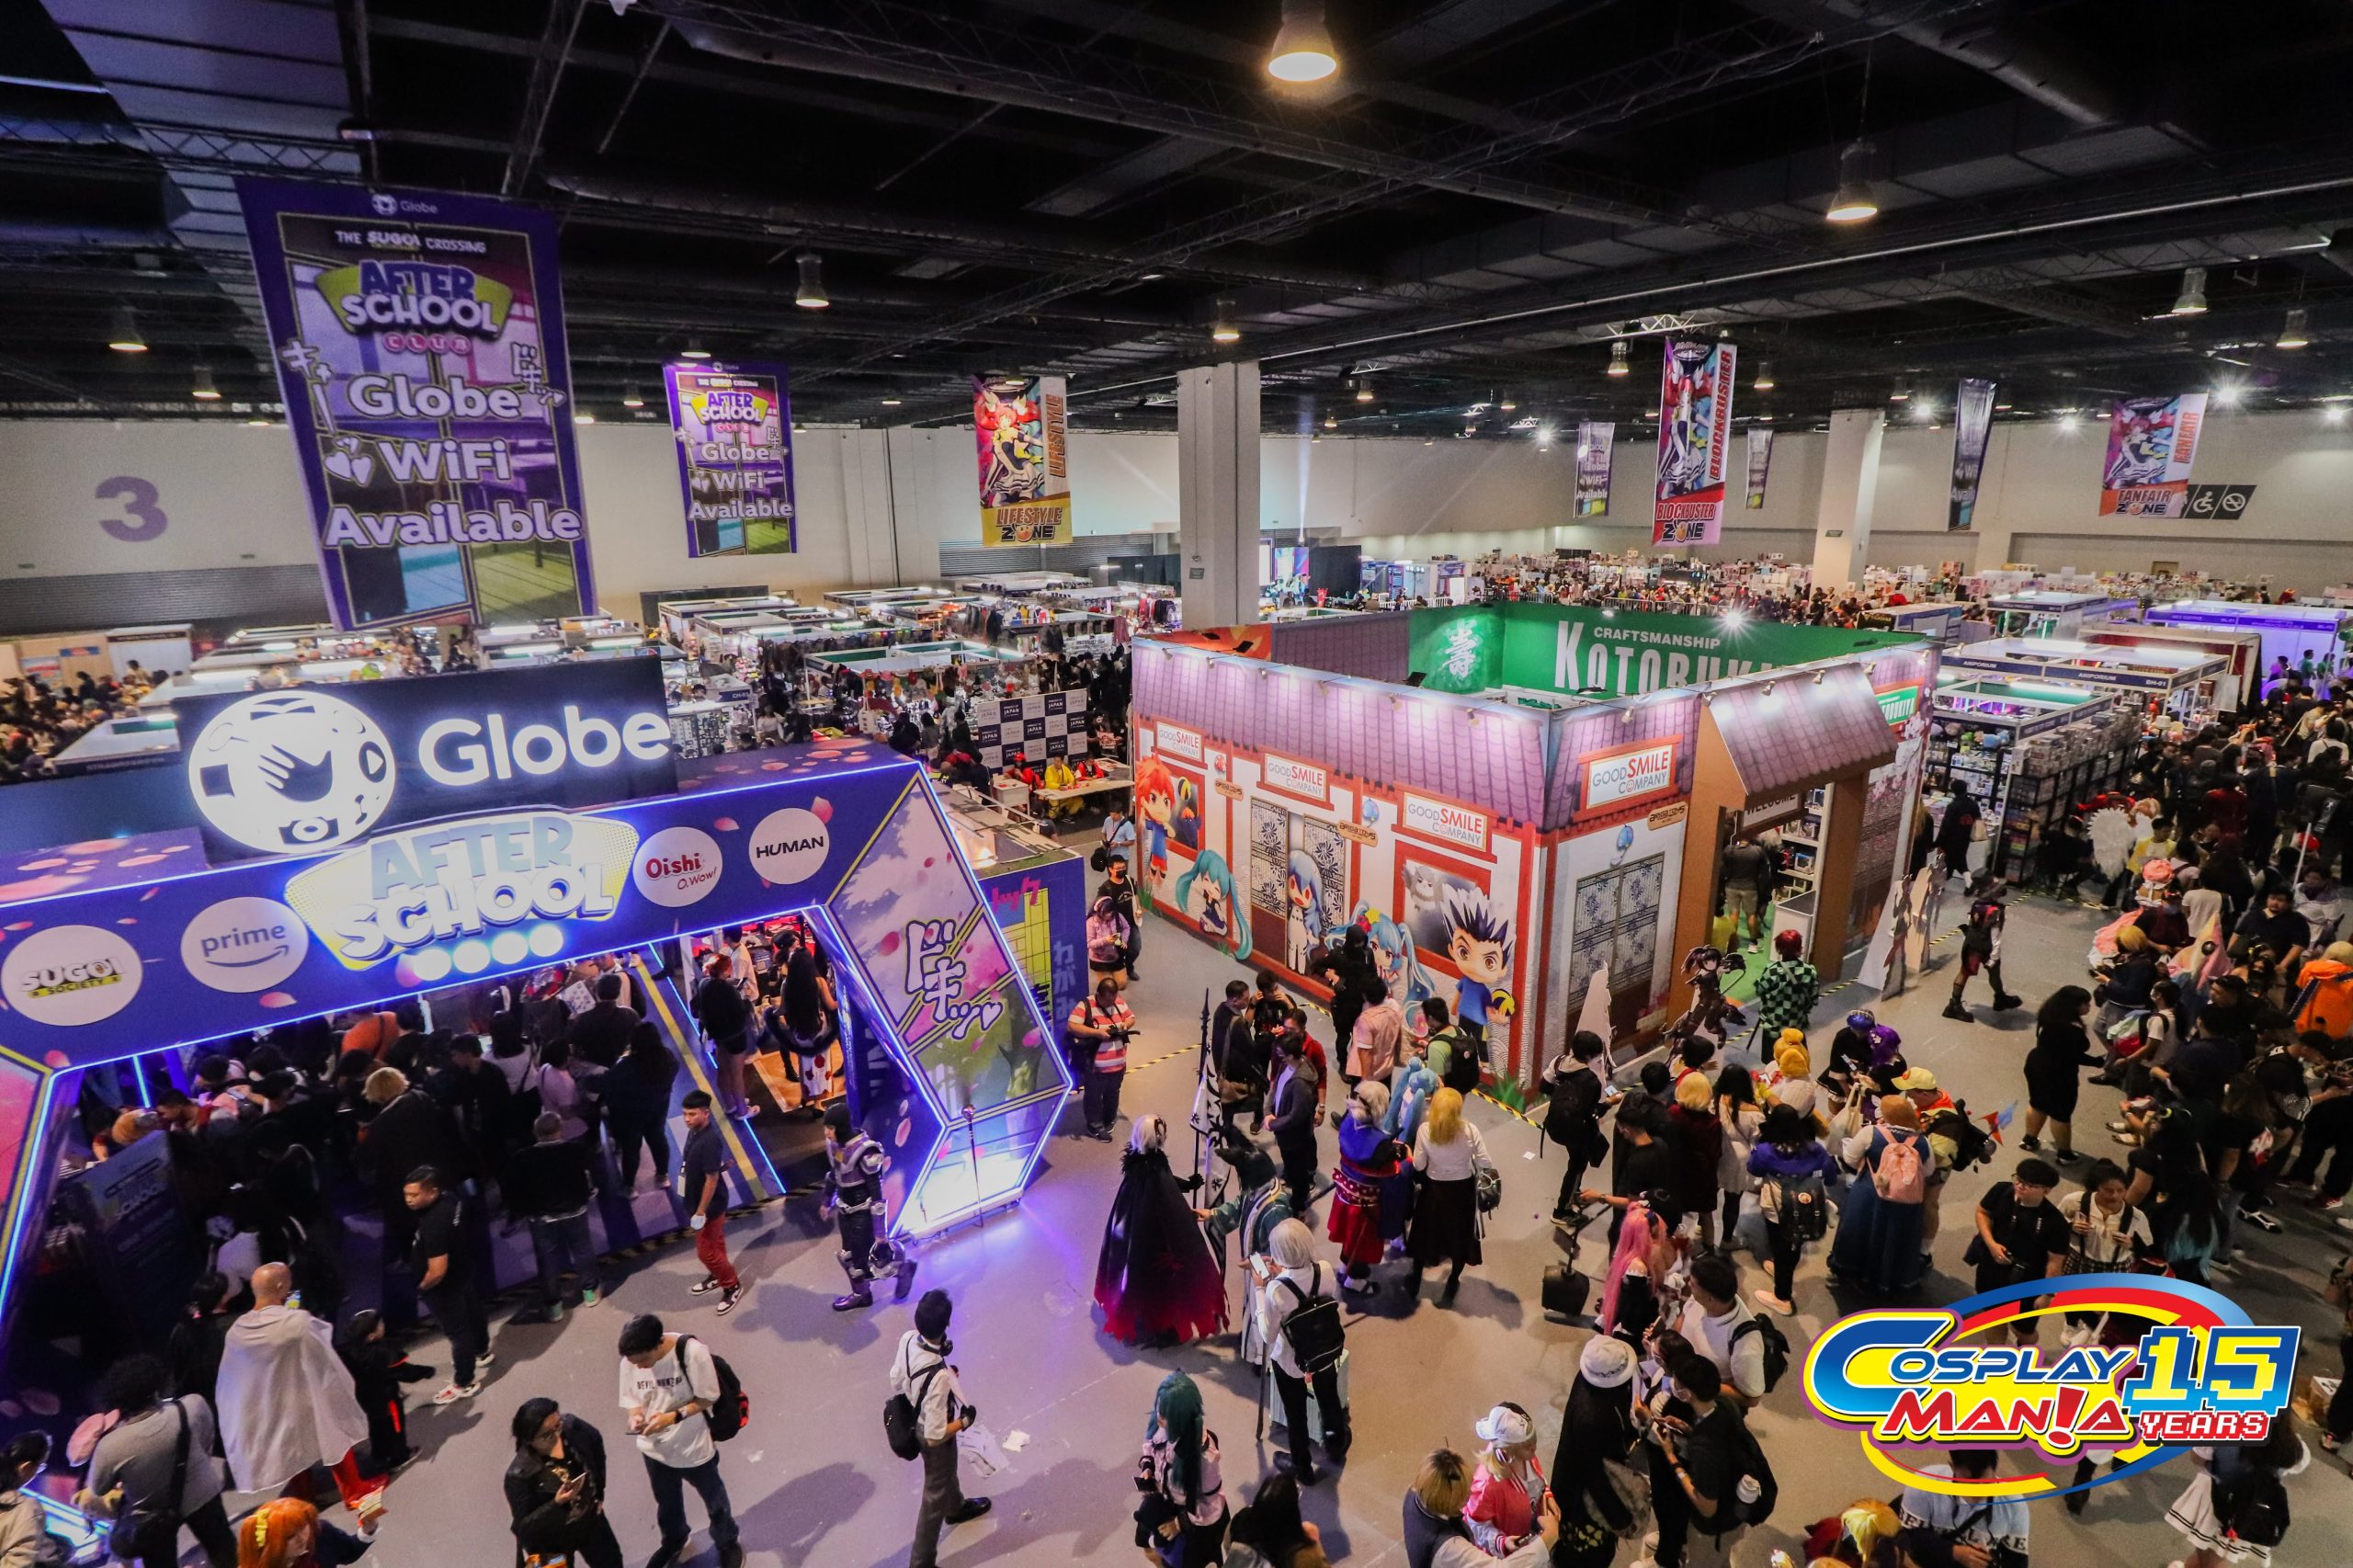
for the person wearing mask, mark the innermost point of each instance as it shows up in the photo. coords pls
(287, 1402)
(1119, 887)
(1710, 1457)
(1182, 1520)
(1436, 1535)
(726, 1020)
(1506, 1484)
(920, 1370)
(702, 1173)
(555, 1489)
(668, 1384)
(155, 1446)
(1573, 1119)
(637, 1105)
(548, 1185)
(2054, 1070)
(1101, 1027)
(1449, 1155)
(1291, 1117)
(442, 1257)
(1286, 1282)
(1792, 1171)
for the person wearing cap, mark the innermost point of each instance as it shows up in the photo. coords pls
(1506, 1484)
(1597, 1433)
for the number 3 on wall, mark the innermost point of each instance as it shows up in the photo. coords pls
(143, 519)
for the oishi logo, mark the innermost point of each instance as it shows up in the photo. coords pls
(789, 846)
(70, 975)
(676, 866)
(285, 771)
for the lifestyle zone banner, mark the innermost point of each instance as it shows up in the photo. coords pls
(1694, 436)
(419, 343)
(733, 426)
(1019, 426)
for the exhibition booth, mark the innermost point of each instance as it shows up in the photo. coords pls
(2030, 751)
(2293, 632)
(456, 831)
(2175, 681)
(1373, 769)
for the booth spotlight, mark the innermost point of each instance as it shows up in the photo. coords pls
(201, 386)
(122, 331)
(694, 350)
(810, 294)
(631, 397)
(1618, 363)
(1854, 202)
(1221, 326)
(2191, 301)
(2296, 334)
(1303, 50)
(2227, 395)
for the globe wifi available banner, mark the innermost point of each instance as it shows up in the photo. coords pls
(1020, 427)
(733, 426)
(1694, 439)
(1594, 438)
(1760, 465)
(1973, 431)
(2151, 441)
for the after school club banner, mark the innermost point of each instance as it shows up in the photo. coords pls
(419, 344)
(1594, 438)
(1020, 433)
(733, 426)
(1972, 432)
(1694, 442)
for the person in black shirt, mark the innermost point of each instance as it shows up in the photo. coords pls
(1644, 1162)
(603, 1032)
(555, 1489)
(2278, 927)
(1708, 1459)
(194, 1355)
(444, 1278)
(1572, 1121)
(726, 1019)
(703, 1173)
(378, 1370)
(548, 1184)
(1222, 1020)
(637, 1104)
(2020, 1235)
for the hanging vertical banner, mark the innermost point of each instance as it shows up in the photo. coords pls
(1021, 425)
(733, 426)
(2151, 441)
(1594, 438)
(419, 342)
(1694, 435)
(1973, 431)
(1760, 464)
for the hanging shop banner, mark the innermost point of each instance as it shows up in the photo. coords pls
(2151, 441)
(419, 341)
(1972, 432)
(733, 426)
(1694, 438)
(1760, 464)
(1593, 439)
(1019, 424)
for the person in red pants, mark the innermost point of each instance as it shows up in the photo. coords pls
(703, 1172)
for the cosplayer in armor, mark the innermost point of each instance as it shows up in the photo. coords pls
(854, 1167)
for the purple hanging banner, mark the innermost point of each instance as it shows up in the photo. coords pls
(1972, 432)
(733, 426)
(1594, 438)
(419, 344)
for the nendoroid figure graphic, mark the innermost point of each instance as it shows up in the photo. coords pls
(1206, 894)
(1155, 809)
(1479, 941)
(1394, 959)
(1304, 914)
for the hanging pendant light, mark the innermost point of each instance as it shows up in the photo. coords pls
(1618, 362)
(2191, 301)
(631, 397)
(202, 385)
(122, 331)
(694, 350)
(1854, 202)
(1222, 326)
(1764, 381)
(811, 295)
(1303, 50)
(2297, 332)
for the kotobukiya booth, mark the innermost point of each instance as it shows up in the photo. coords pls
(1522, 803)
(419, 840)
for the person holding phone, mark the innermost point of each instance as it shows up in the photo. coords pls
(555, 1491)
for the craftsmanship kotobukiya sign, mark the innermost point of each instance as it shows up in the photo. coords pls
(310, 768)
(1593, 652)
(419, 344)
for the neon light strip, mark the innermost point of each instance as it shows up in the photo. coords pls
(27, 1158)
(692, 1055)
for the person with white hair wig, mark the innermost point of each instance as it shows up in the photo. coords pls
(1291, 1280)
(1157, 1280)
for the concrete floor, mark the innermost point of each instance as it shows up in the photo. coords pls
(813, 1481)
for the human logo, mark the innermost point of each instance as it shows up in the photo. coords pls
(287, 771)
(70, 975)
(2171, 1365)
(789, 846)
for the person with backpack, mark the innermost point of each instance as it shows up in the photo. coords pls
(1437, 1536)
(1299, 1322)
(1944, 1532)
(1881, 1226)
(671, 1392)
(1100, 1028)
(2020, 1236)
(2235, 1509)
(1716, 1461)
(1792, 1172)
(927, 1410)
(1751, 1353)
(1573, 1119)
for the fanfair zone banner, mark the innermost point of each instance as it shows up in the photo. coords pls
(1020, 427)
(2177, 1366)
(733, 426)
(2151, 441)
(1594, 445)
(1760, 464)
(419, 341)
(1694, 436)
(1973, 430)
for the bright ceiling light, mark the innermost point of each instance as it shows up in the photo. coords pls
(2067, 420)
(2191, 301)
(1618, 365)
(2297, 332)
(811, 295)
(631, 397)
(894, 402)
(2334, 413)
(1764, 381)
(201, 386)
(1508, 402)
(1221, 326)
(122, 331)
(2227, 395)
(694, 350)
(1854, 201)
(1303, 50)
(584, 417)
(1924, 409)
(1330, 423)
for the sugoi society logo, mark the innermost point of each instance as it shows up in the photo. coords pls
(245, 944)
(676, 866)
(284, 771)
(2176, 1364)
(70, 975)
(789, 846)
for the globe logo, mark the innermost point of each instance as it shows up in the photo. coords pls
(287, 771)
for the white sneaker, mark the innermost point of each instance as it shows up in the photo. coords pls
(455, 1392)
(1767, 1299)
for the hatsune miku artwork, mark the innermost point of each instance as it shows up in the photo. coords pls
(1394, 957)
(1207, 896)
(1479, 942)
(1303, 910)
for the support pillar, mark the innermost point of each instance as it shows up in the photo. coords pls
(1217, 492)
(1841, 532)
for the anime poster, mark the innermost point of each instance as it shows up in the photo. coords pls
(1694, 439)
(420, 350)
(1019, 427)
(1593, 439)
(733, 426)
(1972, 432)
(2151, 441)
(1760, 464)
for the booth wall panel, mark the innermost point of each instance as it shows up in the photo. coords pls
(215, 599)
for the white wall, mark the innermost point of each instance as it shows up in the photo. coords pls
(876, 506)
